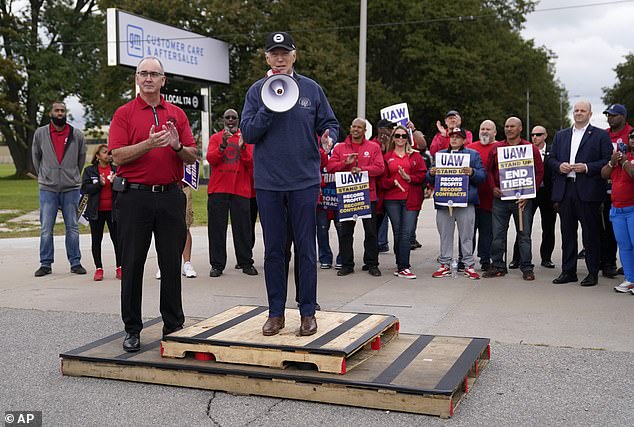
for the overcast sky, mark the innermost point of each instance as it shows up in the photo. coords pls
(588, 41)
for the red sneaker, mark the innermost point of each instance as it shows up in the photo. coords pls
(443, 271)
(118, 273)
(98, 275)
(471, 273)
(406, 274)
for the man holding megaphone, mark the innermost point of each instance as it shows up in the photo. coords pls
(282, 115)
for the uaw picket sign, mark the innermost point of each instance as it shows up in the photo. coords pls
(397, 113)
(517, 172)
(353, 194)
(451, 185)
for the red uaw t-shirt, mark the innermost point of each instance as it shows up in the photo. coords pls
(231, 169)
(622, 186)
(59, 138)
(392, 162)
(105, 197)
(131, 124)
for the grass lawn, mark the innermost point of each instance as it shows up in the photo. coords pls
(20, 196)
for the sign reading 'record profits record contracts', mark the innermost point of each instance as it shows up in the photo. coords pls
(183, 53)
(451, 185)
(353, 192)
(517, 172)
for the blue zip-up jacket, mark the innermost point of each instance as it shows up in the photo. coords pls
(478, 177)
(286, 148)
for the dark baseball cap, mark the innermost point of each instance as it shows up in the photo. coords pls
(385, 123)
(279, 39)
(616, 110)
(452, 113)
(458, 131)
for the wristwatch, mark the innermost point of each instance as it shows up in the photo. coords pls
(179, 148)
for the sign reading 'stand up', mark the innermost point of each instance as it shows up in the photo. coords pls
(451, 185)
(517, 172)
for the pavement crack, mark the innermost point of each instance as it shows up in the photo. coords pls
(263, 415)
(213, 397)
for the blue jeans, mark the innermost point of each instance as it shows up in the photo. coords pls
(623, 225)
(403, 223)
(382, 233)
(50, 202)
(503, 210)
(323, 236)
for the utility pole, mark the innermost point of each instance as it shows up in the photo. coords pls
(363, 35)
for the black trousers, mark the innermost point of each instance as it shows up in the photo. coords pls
(370, 244)
(139, 215)
(254, 218)
(608, 241)
(573, 210)
(219, 207)
(96, 234)
(549, 217)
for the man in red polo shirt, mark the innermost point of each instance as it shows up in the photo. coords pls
(58, 153)
(150, 139)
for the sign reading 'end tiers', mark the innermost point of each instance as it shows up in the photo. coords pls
(183, 53)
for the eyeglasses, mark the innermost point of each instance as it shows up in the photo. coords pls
(400, 135)
(152, 74)
(231, 117)
(536, 134)
(631, 136)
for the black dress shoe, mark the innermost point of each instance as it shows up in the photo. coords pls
(238, 267)
(590, 280)
(78, 269)
(132, 342)
(581, 254)
(515, 264)
(565, 278)
(43, 271)
(548, 264)
(374, 271)
(166, 331)
(215, 272)
(620, 271)
(345, 271)
(250, 270)
(610, 271)
(308, 326)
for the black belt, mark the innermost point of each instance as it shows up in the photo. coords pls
(154, 188)
(570, 179)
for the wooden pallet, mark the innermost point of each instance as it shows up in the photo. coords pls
(235, 336)
(420, 374)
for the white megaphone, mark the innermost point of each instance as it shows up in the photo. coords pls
(279, 92)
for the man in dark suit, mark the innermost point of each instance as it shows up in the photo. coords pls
(577, 156)
(544, 203)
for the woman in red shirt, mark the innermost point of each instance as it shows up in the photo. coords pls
(403, 184)
(97, 183)
(621, 170)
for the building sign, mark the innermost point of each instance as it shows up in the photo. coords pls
(185, 100)
(183, 53)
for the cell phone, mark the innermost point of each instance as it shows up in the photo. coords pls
(120, 184)
(621, 147)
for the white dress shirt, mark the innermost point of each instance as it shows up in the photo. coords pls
(575, 141)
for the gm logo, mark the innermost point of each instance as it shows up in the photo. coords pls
(135, 41)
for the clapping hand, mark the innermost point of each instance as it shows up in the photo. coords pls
(158, 139)
(326, 141)
(404, 174)
(172, 135)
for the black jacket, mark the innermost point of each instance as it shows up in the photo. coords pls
(90, 185)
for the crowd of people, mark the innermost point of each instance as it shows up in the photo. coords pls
(586, 176)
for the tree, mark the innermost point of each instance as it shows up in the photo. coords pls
(623, 90)
(43, 60)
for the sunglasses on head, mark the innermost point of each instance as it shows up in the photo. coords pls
(231, 117)
(400, 135)
(537, 134)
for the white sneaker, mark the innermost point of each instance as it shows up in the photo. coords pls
(158, 274)
(188, 270)
(625, 287)
(406, 274)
